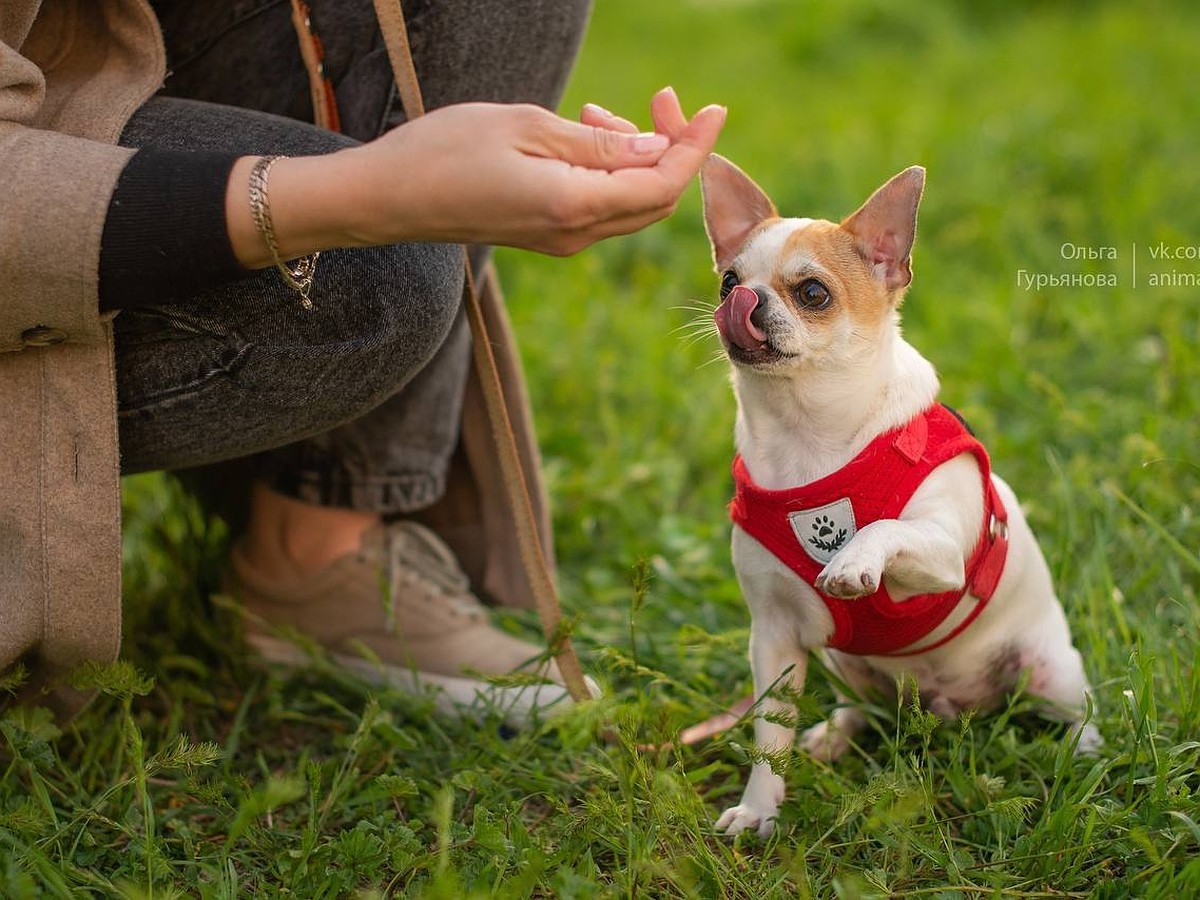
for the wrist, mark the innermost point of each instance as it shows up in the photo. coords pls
(370, 212)
(310, 210)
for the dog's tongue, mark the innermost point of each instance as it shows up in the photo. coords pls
(733, 319)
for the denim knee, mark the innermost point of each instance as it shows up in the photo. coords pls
(249, 369)
(381, 314)
(403, 309)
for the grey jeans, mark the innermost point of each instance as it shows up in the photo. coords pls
(355, 403)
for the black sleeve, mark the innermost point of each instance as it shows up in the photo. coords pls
(165, 238)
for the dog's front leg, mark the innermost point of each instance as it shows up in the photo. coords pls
(776, 660)
(921, 556)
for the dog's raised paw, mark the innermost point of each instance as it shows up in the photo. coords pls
(847, 581)
(738, 818)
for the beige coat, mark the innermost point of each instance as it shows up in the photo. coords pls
(71, 74)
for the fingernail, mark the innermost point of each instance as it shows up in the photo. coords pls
(650, 142)
(597, 108)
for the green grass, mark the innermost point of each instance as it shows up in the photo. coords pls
(1040, 124)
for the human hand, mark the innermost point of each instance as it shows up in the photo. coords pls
(496, 174)
(522, 176)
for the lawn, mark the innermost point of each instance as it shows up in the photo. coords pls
(1050, 132)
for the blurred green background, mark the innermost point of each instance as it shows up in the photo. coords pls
(1040, 124)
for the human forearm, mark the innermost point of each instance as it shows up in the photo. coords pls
(483, 173)
(165, 234)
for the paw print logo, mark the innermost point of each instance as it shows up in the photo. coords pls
(822, 531)
(826, 535)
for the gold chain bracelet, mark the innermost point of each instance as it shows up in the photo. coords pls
(297, 273)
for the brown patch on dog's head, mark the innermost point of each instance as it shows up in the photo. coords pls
(839, 267)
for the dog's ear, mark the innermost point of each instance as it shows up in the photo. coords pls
(733, 206)
(885, 226)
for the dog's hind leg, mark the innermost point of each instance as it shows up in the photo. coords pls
(828, 740)
(1058, 679)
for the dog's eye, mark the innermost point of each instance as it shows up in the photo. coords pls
(811, 294)
(728, 282)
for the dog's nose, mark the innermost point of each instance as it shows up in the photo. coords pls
(760, 310)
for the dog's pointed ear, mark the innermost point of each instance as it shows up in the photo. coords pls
(733, 206)
(885, 227)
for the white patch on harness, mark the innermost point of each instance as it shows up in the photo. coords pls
(824, 531)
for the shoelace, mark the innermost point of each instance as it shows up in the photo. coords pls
(412, 553)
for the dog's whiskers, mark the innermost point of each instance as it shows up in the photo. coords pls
(699, 328)
(695, 325)
(693, 328)
(697, 306)
(704, 337)
(692, 343)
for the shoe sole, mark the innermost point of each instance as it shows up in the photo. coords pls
(452, 695)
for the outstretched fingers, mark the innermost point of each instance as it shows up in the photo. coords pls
(599, 117)
(615, 179)
(692, 145)
(659, 186)
(667, 114)
(598, 143)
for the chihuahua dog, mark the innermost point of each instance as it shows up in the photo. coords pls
(867, 520)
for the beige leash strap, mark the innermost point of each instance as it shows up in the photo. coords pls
(533, 558)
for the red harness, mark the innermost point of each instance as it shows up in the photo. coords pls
(805, 526)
